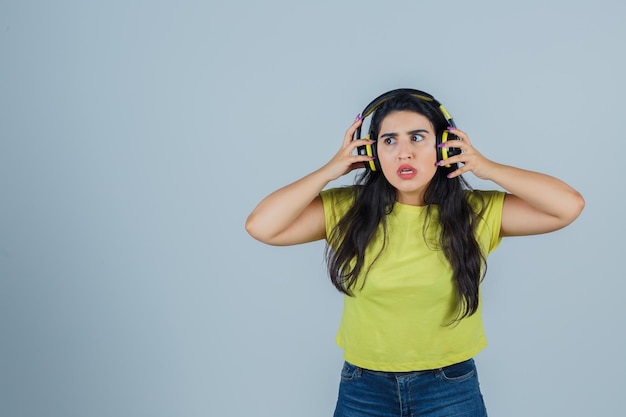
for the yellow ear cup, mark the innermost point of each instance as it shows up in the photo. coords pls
(444, 151)
(370, 152)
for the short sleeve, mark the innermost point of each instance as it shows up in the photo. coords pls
(336, 202)
(489, 205)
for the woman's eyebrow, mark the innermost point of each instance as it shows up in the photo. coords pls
(418, 131)
(411, 132)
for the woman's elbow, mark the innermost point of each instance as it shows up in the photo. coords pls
(254, 229)
(574, 208)
(258, 231)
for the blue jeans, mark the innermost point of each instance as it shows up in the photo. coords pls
(446, 392)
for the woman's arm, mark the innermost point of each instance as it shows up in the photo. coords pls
(294, 214)
(537, 203)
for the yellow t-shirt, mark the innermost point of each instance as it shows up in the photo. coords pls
(399, 320)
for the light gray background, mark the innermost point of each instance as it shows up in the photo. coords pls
(135, 138)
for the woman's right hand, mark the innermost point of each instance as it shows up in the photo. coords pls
(347, 158)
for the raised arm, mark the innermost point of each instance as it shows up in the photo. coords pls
(294, 214)
(536, 203)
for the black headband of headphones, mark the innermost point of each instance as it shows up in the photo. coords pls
(442, 153)
(378, 101)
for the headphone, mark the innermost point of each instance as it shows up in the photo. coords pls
(443, 137)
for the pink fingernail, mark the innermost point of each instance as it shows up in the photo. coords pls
(358, 117)
(450, 128)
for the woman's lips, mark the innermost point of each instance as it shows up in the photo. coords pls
(406, 172)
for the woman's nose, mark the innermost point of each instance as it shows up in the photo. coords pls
(405, 151)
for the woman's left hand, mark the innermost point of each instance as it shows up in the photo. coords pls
(471, 160)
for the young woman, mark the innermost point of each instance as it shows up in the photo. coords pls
(407, 245)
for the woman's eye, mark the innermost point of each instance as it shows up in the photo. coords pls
(418, 138)
(389, 141)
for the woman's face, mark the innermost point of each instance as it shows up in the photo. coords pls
(407, 154)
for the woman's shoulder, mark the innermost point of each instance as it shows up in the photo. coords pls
(483, 199)
(483, 194)
(340, 194)
(337, 201)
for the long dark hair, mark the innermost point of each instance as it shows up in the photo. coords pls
(374, 198)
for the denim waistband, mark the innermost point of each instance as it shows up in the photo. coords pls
(407, 373)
